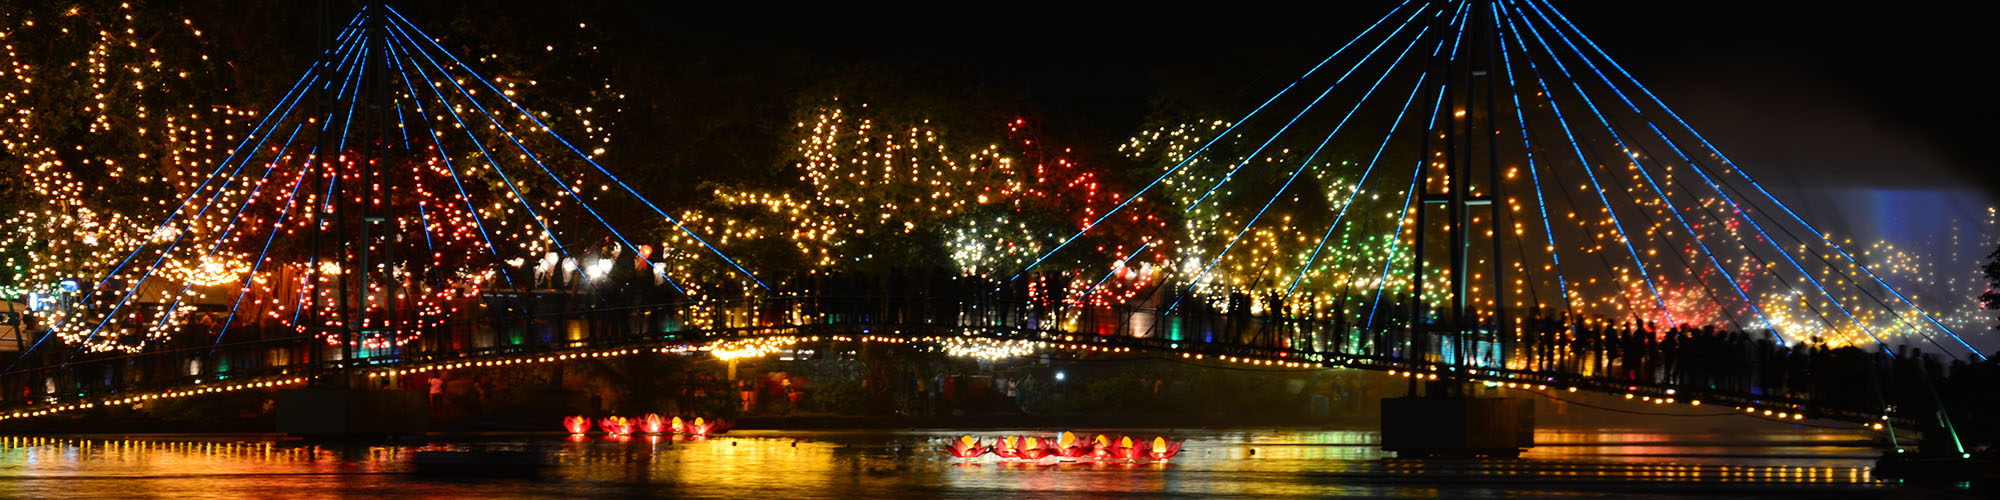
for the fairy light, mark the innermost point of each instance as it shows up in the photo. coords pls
(866, 183)
(140, 398)
(150, 126)
(91, 208)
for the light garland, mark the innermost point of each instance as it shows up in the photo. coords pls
(219, 248)
(156, 396)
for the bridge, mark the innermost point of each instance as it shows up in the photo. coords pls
(970, 326)
(1492, 200)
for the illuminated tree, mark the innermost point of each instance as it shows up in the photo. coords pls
(134, 126)
(876, 192)
(112, 112)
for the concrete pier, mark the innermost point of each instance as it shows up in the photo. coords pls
(1457, 426)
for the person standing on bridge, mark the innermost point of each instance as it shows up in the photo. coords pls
(437, 390)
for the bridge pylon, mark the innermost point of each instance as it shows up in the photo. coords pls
(1457, 190)
(338, 403)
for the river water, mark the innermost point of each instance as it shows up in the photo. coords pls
(788, 465)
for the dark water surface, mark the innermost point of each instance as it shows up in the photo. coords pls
(787, 465)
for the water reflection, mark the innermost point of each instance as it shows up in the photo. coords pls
(1264, 463)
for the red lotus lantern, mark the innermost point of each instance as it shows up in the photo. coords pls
(1163, 449)
(677, 426)
(1100, 447)
(616, 426)
(1007, 447)
(966, 447)
(700, 427)
(1036, 449)
(1070, 448)
(1126, 449)
(653, 424)
(576, 424)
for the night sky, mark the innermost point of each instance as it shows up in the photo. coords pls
(1868, 120)
(1854, 91)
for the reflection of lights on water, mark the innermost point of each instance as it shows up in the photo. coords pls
(762, 461)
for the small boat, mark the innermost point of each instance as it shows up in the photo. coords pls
(479, 463)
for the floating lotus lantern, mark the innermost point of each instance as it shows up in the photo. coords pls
(1036, 449)
(653, 424)
(677, 426)
(576, 424)
(1070, 448)
(700, 427)
(1163, 449)
(1125, 449)
(1100, 447)
(966, 447)
(616, 426)
(1007, 447)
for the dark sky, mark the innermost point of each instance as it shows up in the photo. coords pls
(1819, 101)
(1870, 121)
(1854, 114)
(1888, 96)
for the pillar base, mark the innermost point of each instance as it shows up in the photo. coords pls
(319, 412)
(1457, 426)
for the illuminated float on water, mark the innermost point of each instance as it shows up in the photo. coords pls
(701, 427)
(1100, 447)
(1035, 449)
(1125, 449)
(1163, 449)
(652, 424)
(616, 426)
(1070, 448)
(1067, 447)
(966, 447)
(576, 424)
(1007, 447)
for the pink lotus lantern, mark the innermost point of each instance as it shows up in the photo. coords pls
(1163, 449)
(576, 424)
(677, 426)
(1070, 448)
(1100, 447)
(1036, 449)
(1007, 447)
(700, 427)
(1126, 449)
(966, 447)
(653, 424)
(616, 426)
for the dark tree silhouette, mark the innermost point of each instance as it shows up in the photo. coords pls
(1991, 299)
